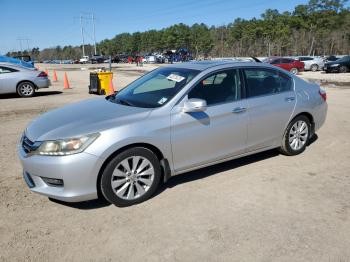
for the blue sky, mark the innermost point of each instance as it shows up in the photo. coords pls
(50, 23)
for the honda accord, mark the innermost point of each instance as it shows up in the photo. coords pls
(172, 120)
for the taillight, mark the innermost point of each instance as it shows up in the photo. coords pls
(323, 94)
(42, 74)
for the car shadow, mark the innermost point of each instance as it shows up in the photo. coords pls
(215, 169)
(187, 177)
(37, 94)
(86, 205)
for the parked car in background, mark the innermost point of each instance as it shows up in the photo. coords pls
(331, 58)
(21, 80)
(170, 121)
(311, 63)
(289, 64)
(25, 58)
(150, 59)
(84, 60)
(97, 59)
(341, 65)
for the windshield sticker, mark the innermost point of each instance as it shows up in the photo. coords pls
(175, 78)
(162, 101)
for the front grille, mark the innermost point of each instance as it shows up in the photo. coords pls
(28, 145)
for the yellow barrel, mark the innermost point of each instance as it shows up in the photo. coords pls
(105, 78)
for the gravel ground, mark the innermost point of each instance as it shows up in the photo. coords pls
(266, 207)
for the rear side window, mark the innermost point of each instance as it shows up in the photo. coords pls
(266, 82)
(286, 61)
(276, 61)
(4, 70)
(220, 87)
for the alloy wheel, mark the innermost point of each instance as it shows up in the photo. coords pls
(298, 135)
(132, 177)
(294, 71)
(26, 90)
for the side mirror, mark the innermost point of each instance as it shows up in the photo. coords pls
(194, 105)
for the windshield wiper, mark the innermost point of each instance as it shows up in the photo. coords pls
(123, 102)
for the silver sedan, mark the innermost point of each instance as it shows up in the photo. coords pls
(170, 121)
(21, 80)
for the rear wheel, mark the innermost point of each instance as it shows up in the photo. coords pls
(343, 69)
(296, 136)
(131, 177)
(294, 71)
(26, 89)
(314, 68)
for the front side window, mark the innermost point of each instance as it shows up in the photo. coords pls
(221, 87)
(155, 88)
(266, 82)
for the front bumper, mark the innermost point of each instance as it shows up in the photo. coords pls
(334, 69)
(79, 174)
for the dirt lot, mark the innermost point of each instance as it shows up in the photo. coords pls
(265, 207)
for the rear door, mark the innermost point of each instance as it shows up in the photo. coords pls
(8, 79)
(271, 101)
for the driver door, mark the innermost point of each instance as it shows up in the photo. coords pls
(219, 132)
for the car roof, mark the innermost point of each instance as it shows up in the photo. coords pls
(15, 66)
(203, 65)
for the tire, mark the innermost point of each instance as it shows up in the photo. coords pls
(26, 89)
(291, 148)
(314, 68)
(125, 173)
(343, 69)
(294, 71)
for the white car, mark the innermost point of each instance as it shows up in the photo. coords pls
(84, 60)
(311, 63)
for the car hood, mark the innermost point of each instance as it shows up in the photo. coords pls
(89, 116)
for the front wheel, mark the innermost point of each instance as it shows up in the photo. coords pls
(131, 177)
(296, 136)
(343, 69)
(26, 89)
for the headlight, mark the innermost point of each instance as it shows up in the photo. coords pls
(334, 65)
(66, 146)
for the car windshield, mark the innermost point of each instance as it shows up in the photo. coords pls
(154, 89)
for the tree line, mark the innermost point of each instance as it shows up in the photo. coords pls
(320, 27)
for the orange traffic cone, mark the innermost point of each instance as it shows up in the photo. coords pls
(54, 78)
(111, 87)
(66, 82)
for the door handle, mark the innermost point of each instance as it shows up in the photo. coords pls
(238, 110)
(290, 99)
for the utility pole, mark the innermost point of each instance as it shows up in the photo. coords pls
(27, 44)
(89, 17)
(93, 28)
(82, 34)
(20, 43)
